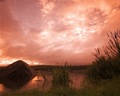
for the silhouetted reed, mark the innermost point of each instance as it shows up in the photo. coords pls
(107, 60)
(61, 76)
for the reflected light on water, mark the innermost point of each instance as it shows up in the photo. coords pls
(2, 89)
(37, 78)
(36, 82)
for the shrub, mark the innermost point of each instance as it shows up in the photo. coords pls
(61, 77)
(107, 61)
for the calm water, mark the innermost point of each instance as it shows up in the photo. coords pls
(45, 84)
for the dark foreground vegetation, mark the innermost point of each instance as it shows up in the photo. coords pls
(102, 77)
(107, 60)
(107, 88)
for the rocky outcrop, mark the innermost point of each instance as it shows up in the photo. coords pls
(16, 75)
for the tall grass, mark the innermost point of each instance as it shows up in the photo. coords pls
(107, 60)
(61, 76)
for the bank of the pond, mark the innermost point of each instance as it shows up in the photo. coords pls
(106, 88)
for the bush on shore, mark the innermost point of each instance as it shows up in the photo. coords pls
(107, 60)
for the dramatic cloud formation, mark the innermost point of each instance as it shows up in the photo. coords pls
(51, 31)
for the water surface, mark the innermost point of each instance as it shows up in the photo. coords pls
(43, 81)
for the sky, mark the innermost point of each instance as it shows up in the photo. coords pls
(55, 31)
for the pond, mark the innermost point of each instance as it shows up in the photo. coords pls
(43, 81)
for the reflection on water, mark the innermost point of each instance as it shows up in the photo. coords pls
(44, 82)
(2, 88)
(40, 83)
(77, 80)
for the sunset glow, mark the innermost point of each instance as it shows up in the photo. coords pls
(51, 31)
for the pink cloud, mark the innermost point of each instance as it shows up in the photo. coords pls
(51, 31)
